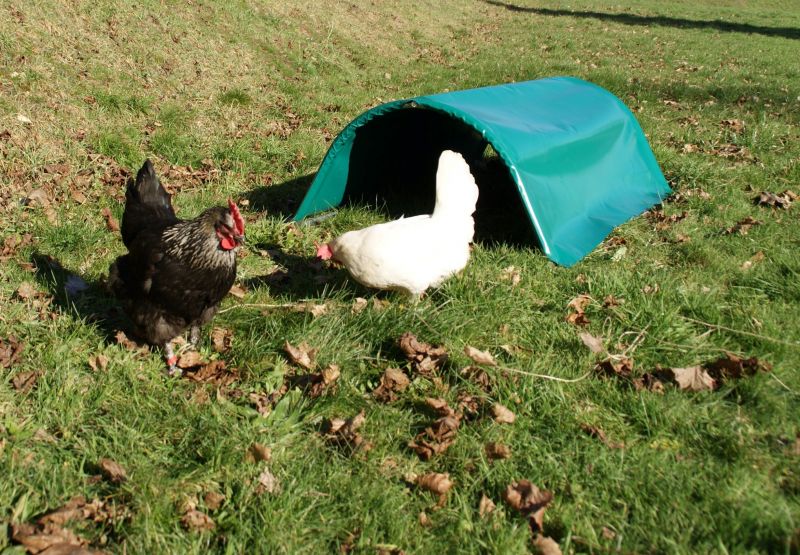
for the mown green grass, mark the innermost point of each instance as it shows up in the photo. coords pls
(183, 83)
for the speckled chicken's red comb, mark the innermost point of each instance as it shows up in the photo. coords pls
(237, 217)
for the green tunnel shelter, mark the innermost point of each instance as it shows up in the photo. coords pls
(578, 159)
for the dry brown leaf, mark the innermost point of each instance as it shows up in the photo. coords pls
(485, 506)
(435, 482)
(127, 343)
(755, 259)
(98, 362)
(111, 222)
(258, 452)
(112, 471)
(596, 432)
(546, 545)
(733, 367)
(44, 436)
(268, 483)
(512, 274)
(37, 197)
(26, 291)
(48, 539)
(10, 351)
(424, 521)
(577, 319)
(425, 359)
(735, 125)
(440, 435)
(302, 355)
(190, 359)
(595, 344)
(13, 243)
(502, 414)
(693, 378)
(649, 382)
(469, 405)
(742, 226)
(215, 372)
(529, 500)
(439, 406)
(314, 309)
(221, 339)
(732, 152)
(196, 521)
(497, 451)
(344, 433)
(25, 381)
(359, 305)
(393, 381)
(479, 377)
(213, 500)
(774, 200)
(620, 368)
(71, 510)
(265, 403)
(238, 291)
(479, 357)
(579, 303)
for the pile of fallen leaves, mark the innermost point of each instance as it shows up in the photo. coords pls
(440, 435)
(702, 377)
(215, 372)
(774, 200)
(425, 359)
(48, 533)
(10, 351)
(344, 433)
(527, 499)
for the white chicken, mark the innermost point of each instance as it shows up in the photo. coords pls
(413, 254)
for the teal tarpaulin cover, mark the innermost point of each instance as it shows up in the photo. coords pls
(577, 156)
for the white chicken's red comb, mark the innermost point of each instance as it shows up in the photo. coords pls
(237, 217)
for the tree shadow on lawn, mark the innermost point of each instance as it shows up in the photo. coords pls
(297, 277)
(88, 300)
(660, 20)
(280, 200)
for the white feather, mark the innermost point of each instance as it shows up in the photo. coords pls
(412, 254)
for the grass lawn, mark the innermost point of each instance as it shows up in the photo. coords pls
(242, 99)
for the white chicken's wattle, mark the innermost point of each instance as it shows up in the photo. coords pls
(413, 254)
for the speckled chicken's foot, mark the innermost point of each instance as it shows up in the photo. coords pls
(194, 335)
(172, 369)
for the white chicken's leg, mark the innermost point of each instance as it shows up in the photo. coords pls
(194, 335)
(172, 359)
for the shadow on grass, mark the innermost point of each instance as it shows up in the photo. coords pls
(648, 20)
(297, 277)
(280, 200)
(88, 300)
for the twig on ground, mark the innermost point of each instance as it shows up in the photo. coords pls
(545, 376)
(742, 332)
(258, 305)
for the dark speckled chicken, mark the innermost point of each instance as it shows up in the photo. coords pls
(176, 271)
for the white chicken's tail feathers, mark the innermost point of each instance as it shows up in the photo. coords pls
(456, 191)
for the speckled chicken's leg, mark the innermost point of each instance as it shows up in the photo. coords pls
(172, 359)
(194, 335)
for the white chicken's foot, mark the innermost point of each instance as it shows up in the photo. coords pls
(169, 354)
(194, 335)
